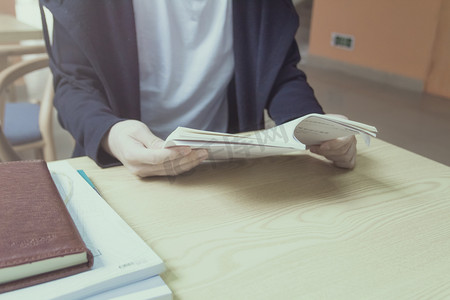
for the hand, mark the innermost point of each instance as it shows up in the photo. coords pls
(139, 150)
(341, 151)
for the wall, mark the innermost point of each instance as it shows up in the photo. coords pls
(7, 7)
(392, 36)
(438, 79)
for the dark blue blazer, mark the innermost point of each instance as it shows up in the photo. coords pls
(95, 65)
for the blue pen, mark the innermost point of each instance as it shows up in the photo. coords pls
(83, 174)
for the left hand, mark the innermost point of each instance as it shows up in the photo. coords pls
(341, 151)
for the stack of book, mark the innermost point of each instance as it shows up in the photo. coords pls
(60, 240)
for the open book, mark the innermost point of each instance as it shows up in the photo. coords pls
(289, 137)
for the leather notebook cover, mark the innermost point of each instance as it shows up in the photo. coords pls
(35, 224)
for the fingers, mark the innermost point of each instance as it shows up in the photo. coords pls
(168, 167)
(151, 159)
(186, 163)
(341, 151)
(338, 116)
(160, 155)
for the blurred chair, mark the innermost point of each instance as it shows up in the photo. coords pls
(7, 52)
(12, 53)
(26, 125)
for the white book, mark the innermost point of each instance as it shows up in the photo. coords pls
(152, 288)
(289, 137)
(121, 257)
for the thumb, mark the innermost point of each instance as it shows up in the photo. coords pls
(338, 116)
(151, 141)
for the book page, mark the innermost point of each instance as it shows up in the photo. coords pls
(315, 129)
(151, 288)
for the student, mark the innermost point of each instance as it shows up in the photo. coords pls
(127, 73)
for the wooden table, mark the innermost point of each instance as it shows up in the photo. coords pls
(12, 30)
(294, 227)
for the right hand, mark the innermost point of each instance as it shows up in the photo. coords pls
(139, 150)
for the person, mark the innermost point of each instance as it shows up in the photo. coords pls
(127, 73)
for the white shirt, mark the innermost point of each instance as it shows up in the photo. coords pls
(186, 62)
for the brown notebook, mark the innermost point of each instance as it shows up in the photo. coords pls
(38, 239)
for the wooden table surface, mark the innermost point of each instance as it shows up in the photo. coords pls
(294, 227)
(12, 30)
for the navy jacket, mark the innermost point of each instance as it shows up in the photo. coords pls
(95, 66)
